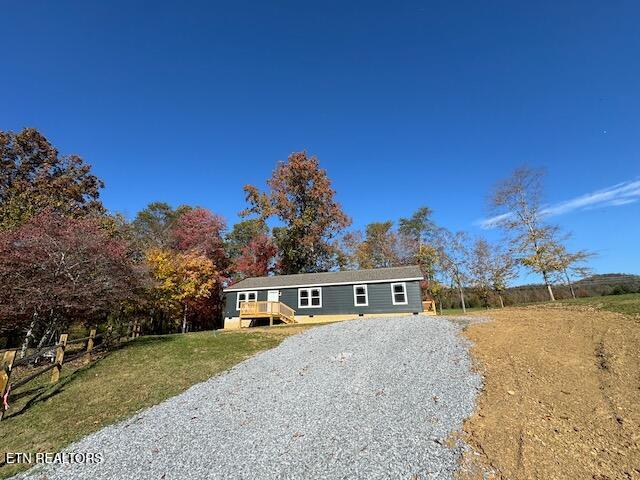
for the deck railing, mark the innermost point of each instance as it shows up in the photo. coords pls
(265, 309)
(429, 306)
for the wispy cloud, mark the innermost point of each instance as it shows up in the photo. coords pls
(614, 196)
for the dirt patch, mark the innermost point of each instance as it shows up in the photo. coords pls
(561, 396)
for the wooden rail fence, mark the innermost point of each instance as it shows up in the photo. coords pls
(9, 361)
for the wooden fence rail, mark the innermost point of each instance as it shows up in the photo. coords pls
(9, 362)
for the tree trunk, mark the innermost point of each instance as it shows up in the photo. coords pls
(546, 282)
(464, 307)
(501, 301)
(184, 318)
(573, 293)
(49, 330)
(29, 335)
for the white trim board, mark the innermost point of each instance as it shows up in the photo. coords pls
(360, 282)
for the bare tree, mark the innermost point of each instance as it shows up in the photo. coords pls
(490, 269)
(516, 203)
(570, 264)
(453, 259)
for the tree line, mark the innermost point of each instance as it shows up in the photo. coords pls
(65, 258)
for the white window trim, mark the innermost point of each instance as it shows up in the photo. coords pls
(366, 296)
(247, 292)
(309, 296)
(393, 294)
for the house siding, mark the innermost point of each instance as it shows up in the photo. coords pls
(338, 299)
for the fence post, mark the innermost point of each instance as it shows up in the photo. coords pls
(136, 329)
(55, 375)
(92, 335)
(5, 375)
(129, 330)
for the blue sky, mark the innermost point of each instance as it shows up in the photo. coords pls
(405, 103)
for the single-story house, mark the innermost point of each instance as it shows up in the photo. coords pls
(327, 296)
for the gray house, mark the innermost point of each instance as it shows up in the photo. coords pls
(328, 296)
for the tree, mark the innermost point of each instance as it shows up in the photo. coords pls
(480, 266)
(35, 178)
(571, 263)
(419, 227)
(516, 202)
(348, 248)
(257, 258)
(54, 269)
(453, 259)
(242, 233)
(490, 269)
(199, 230)
(152, 226)
(377, 248)
(380, 248)
(301, 197)
(417, 240)
(182, 281)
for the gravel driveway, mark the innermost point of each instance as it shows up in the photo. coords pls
(371, 398)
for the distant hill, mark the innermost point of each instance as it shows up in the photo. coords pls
(603, 284)
(592, 286)
(611, 279)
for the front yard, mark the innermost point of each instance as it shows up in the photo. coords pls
(141, 373)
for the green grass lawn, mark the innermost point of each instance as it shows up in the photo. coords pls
(458, 311)
(628, 304)
(139, 374)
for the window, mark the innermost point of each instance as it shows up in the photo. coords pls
(309, 298)
(360, 296)
(399, 293)
(245, 297)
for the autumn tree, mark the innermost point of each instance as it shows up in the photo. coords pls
(34, 177)
(419, 227)
(191, 267)
(242, 233)
(182, 281)
(301, 197)
(55, 269)
(199, 230)
(380, 248)
(348, 248)
(257, 258)
(418, 243)
(516, 204)
(376, 248)
(152, 226)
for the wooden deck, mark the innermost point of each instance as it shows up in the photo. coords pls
(271, 310)
(429, 307)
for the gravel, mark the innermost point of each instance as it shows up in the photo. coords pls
(374, 398)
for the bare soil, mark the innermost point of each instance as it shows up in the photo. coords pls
(561, 398)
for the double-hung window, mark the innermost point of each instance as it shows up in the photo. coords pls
(310, 297)
(245, 297)
(399, 293)
(360, 296)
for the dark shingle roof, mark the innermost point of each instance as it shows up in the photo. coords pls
(324, 278)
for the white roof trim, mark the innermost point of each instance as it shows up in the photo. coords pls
(358, 282)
